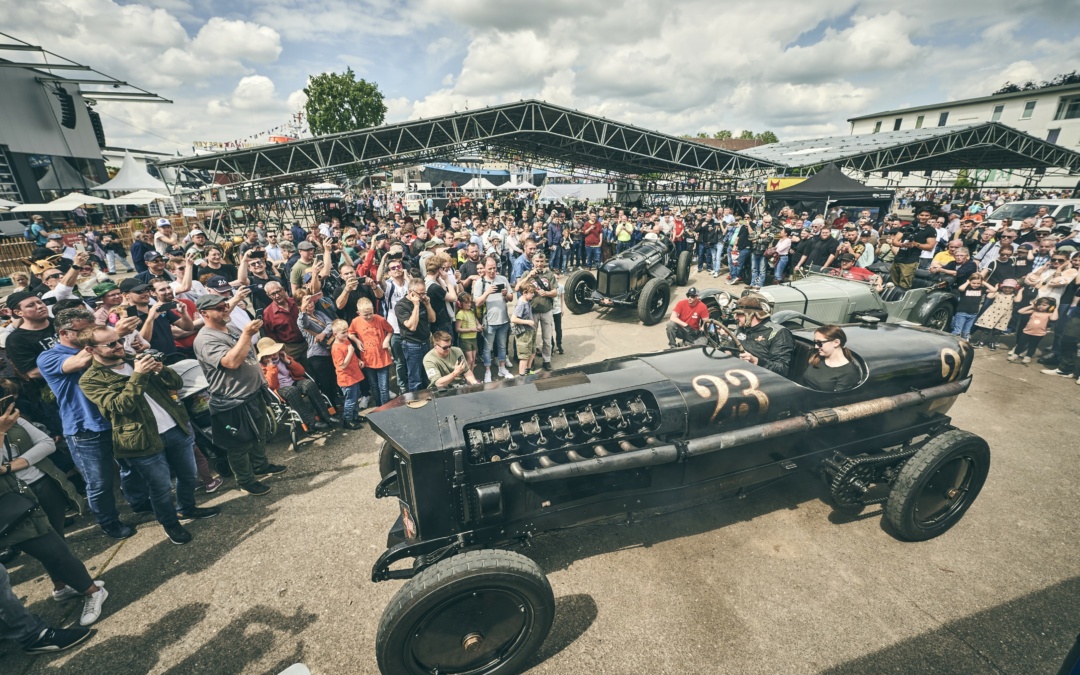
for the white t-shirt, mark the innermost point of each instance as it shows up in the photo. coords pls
(394, 293)
(164, 420)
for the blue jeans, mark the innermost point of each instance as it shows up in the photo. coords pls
(352, 395)
(577, 254)
(962, 323)
(739, 258)
(176, 459)
(92, 452)
(717, 257)
(16, 622)
(622, 246)
(400, 371)
(592, 255)
(757, 274)
(110, 261)
(414, 363)
(703, 251)
(781, 265)
(495, 336)
(558, 257)
(379, 381)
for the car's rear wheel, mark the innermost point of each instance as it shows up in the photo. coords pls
(578, 289)
(386, 459)
(653, 302)
(937, 485)
(682, 268)
(940, 318)
(479, 612)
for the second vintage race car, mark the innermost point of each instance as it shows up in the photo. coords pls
(484, 468)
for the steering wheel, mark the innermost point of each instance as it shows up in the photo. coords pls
(719, 337)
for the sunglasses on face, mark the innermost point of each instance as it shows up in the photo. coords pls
(395, 267)
(819, 343)
(52, 276)
(107, 345)
(1059, 260)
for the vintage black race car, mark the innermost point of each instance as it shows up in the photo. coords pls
(480, 469)
(639, 277)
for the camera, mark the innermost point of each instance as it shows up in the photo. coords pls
(166, 306)
(155, 354)
(257, 254)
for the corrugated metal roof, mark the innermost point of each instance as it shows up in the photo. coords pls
(823, 150)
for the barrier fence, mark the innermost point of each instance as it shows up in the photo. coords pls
(14, 251)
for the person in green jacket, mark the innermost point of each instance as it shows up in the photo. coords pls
(150, 429)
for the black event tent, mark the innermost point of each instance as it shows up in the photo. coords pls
(829, 187)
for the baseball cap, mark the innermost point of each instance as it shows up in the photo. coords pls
(847, 257)
(163, 222)
(218, 283)
(209, 300)
(175, 251)
(305, 246)
(194, 233)
(133, 285)
(150, 256)
(14, 299)
(55, 235)
(692, 292)
(103, 288)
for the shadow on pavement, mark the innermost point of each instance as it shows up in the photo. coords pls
(574, 614)
(1031, 634)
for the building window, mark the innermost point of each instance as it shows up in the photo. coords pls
(919, 121)
(877, 126)
(1068, 108)
(942, 119)
(1052, 135)
(1029, 110)
(998, 109)
(896, 124)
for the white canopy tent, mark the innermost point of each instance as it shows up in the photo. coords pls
(479, 183)
(6, 204)
(133, 176)
(586, 191)
(66, 203)
(137, 198)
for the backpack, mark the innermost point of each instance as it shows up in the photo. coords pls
(28, 233)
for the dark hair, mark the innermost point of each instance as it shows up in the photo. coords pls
(831, 332)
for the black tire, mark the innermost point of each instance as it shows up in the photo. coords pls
(940, 318)
(294, 435)
(497, 601)
(578, 291)
(653, 301)
(387, 463)
(682, 268)
(937, 485)
(271, 423)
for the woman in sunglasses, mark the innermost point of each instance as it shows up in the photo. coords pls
(831, 366)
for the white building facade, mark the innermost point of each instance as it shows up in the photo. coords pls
(1051, 114)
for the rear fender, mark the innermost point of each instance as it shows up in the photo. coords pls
(659, 271)
(928, 304)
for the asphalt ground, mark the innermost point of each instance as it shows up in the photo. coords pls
(775, 582)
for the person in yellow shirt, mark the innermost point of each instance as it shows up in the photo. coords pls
(948, 255)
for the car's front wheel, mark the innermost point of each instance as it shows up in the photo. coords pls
(653, 302)
(578, 290)
(937, 485)
(682, 268)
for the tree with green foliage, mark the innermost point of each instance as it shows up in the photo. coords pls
(723, 134)
(766, 137)
(339, 102)
(746, 135)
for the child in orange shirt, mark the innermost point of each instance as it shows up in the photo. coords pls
(1043, 314)
(347, 364)
(374, 333)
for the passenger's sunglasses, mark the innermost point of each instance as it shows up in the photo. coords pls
(818, 343)
(107, 345)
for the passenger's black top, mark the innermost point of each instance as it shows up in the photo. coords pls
(826, 378)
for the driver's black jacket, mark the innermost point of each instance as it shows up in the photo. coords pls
(773, 346)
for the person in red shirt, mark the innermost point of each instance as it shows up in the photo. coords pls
(374, 332)
(593, 232)
(848, 270)
(347, 366)
(685, 323)
(279, 322)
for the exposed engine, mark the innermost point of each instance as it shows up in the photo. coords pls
(572, 433)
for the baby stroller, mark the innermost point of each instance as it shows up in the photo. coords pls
(196, 399)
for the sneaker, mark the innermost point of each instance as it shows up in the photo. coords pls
(487, 376)
(336, 419)
(1027, 360)
(1013, 357)
(559, 349)
(320, 425)
(199, 513)
(354, 424)
(68, 593)
(271, 469)
(213, 485)
(118, 530)
(505, 374)
(255, 488)
(58, 639)
(363, 402)
(92, 607)
(992, 346)
(547, 365)
(7, 555)
(1055, 371)
(177, 534)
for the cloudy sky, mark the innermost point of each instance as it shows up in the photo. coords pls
(799, 69)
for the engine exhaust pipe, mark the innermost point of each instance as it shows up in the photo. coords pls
(600, 451)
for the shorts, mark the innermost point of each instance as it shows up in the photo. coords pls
(468, 344)
(526, 343)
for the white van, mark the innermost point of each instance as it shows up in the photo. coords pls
(1061, 209)
(413, 202)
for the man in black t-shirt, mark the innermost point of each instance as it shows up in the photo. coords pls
(909, 246)
(34, 336)
(414, 315)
